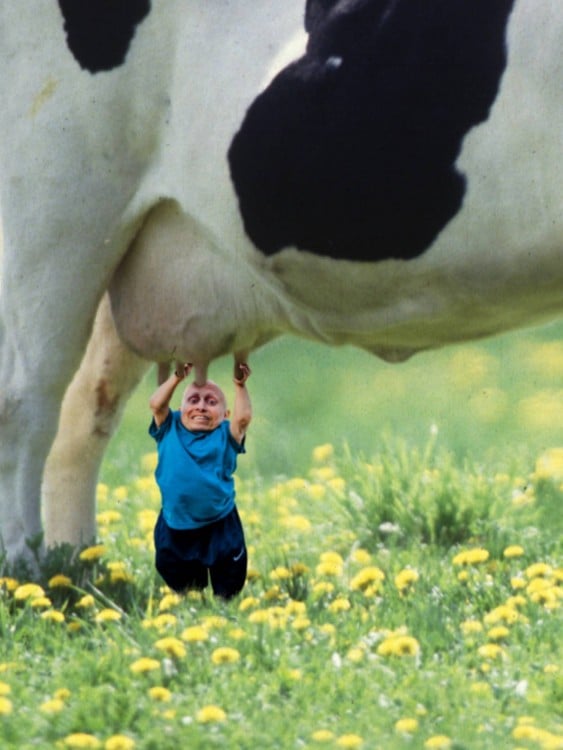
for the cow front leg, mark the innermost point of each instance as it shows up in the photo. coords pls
(30, 395)
(90, 413)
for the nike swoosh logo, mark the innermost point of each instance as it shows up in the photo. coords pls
(236, 558)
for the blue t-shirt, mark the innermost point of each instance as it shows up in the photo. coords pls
(195, 472)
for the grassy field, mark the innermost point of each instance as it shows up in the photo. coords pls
(404, 526)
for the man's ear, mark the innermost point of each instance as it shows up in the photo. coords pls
(227, 413)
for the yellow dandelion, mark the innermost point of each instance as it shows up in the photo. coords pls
(214, 622)
(490, 651)
(82, 740)
(295, 484)
(8, 584)
(438, 742)
(328, 629)
(539, 584)
(294, 607)
(119, 742)
(330, 569)
(107, 517)
(518, 583)
(516, 601)
(322, 453)
(337, 485)
(169, 601)
(317, 491)
(367, 577)
(301, 623)
(5, 689)
(398, 645)
(108, 615)
(350, 740)
(502, 613)
(277, 618)
(551, 669)
(225, 655)
(149, 462)
(121, 493)
(471, 556)
(406, 726)
(331, 564)
(62, 694)
(469, 627)
(547, 740)
(85, 602)
(323, 588)
(6, 706)
(52, 706)
(360, 556)
(52, 615)
(102, 492)
(41, 602)
(550, 465)
(92, 554)
(340, 604)
(120, 575)
(355, 655)
(171, 646)
(296, 522)
(144, 664)
(514, 550)
(538, 570)
(195, 634)
(147, 519)
(60, 581)
(160, 694)
(28, 591)
(405, 578)
(164, 621)
(323, 473)
(249, 602)
(322, 735)
(237, 634)
(498, 633)
(259, 616)
(280, 573)
(547, 595)
(210, 715)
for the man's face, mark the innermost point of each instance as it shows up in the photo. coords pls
(203, 407)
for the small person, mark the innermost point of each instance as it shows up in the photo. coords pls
(198, 531)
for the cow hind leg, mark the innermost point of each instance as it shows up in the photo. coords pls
(91, 410)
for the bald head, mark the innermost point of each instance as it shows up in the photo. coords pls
(204, 407)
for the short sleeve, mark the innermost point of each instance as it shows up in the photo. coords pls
(158, 432)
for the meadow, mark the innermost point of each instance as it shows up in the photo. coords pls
(404, 527)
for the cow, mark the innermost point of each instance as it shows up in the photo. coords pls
(182, 180)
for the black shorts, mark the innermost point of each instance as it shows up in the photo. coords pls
(186, 558)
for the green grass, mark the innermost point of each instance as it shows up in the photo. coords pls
(404, 526)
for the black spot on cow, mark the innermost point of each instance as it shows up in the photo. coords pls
(350, 152)
(99, 32)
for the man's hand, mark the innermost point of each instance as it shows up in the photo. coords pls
(242, 373)
(182, 371)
